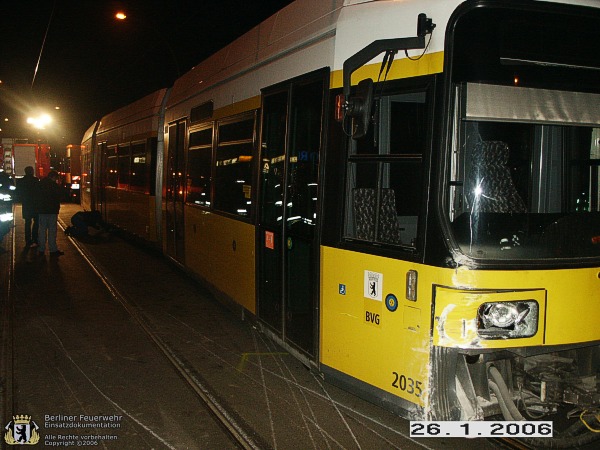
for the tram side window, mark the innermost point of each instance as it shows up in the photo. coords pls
(123, 167)
(198, 178)
(303, 169)
(152, 152)
(584, 161)
(86, 170)
(139, 168)
(112, 164)
(233, 172)
(385, 174)
(272, 162)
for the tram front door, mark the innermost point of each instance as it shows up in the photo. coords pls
(288, 248)
(98, 192)
(174, 195)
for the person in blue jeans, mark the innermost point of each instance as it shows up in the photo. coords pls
(48, 205)
(26, 192)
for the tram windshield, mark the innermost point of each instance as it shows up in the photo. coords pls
(525, 173)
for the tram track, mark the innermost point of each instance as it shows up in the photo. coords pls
(512, 444)
(238, 433)
(6, 332)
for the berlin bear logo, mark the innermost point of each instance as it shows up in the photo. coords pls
(20, 431)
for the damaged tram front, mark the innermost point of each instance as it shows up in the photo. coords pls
(471, 220)
(521, 202)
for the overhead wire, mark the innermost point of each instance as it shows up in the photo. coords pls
(37, 66)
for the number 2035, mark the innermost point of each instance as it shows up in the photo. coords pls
(407, 384)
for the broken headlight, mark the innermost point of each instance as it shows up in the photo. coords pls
(507, 320)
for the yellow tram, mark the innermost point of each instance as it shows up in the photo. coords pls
(405, 194)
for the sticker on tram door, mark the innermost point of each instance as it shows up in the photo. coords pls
(373, 285)
(21, 431)
(372, 313)
(269, 240)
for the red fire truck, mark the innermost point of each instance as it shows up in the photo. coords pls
(35, 155)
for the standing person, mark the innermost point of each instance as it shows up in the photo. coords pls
(6, 219)
(26, 190)
(49, 195)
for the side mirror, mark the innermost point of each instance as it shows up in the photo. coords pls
(359, 108)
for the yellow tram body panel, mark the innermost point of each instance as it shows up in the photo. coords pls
(455, 321)
(364, 339)
(378, 341)
(428, 64)
(221, 251)
(567, 300)
(133, 212)
(573, 295)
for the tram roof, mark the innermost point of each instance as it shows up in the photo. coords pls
(88, 133)
(304, 36)
(145, 109)
(308, 35)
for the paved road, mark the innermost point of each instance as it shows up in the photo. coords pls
(84, 370)
(79, 350)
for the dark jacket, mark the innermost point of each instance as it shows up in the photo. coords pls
(26, 193)
(5, 182)
(48, 196)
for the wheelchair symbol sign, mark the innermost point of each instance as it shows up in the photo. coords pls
(342, 289)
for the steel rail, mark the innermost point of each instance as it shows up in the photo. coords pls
(237, 433)
(6, 337)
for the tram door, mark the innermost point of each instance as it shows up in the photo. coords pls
(98, 192)
(174, 194)
(288, 253)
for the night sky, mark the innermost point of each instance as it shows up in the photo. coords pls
(92, 64)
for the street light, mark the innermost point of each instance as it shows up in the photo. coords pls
(40, 122)
(121, 16)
